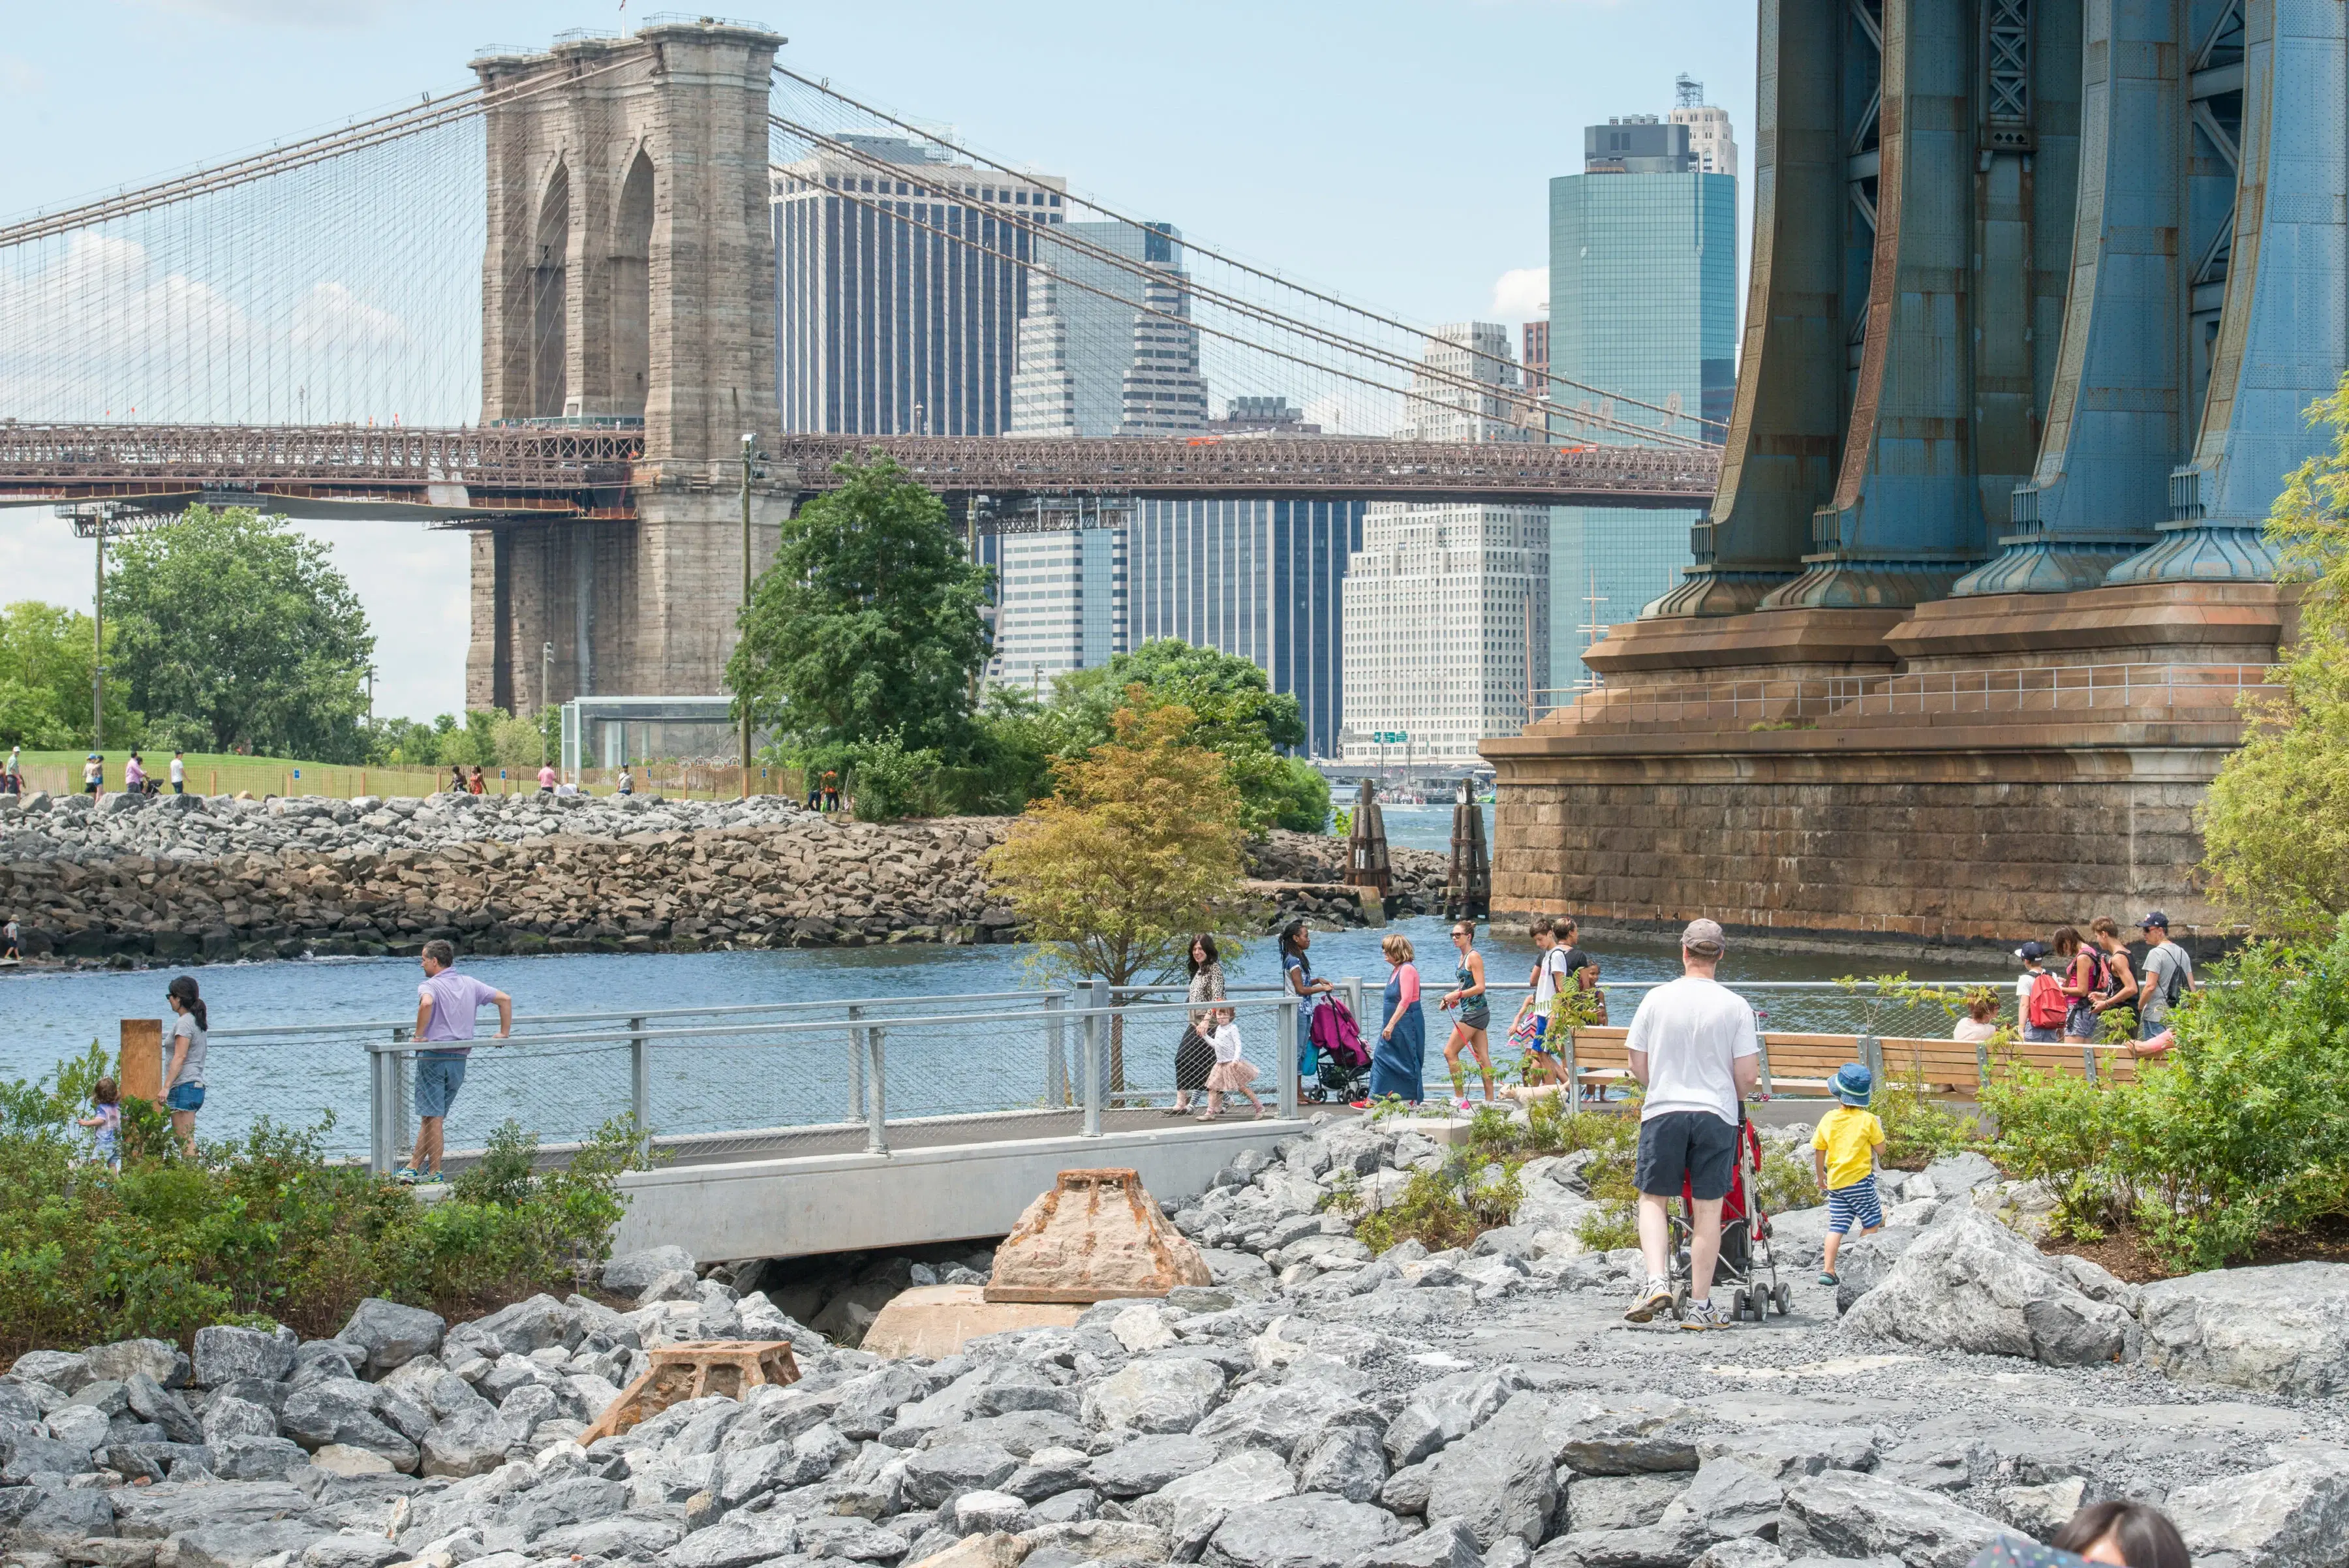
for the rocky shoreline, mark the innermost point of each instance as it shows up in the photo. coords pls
(180, 879)
(1315, 1406)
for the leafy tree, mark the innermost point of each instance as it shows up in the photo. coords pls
(867, 624)
(234, 622)
(45, 659)
(1138, 849)
(2275, 827)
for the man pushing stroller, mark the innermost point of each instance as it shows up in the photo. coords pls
(1694, 1046)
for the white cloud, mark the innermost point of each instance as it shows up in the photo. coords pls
(315, 15)
(1521, 294)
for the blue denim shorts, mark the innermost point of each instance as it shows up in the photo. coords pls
(437, 1079)
(185, 1097)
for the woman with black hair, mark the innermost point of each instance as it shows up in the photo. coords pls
(183, 1082)
(1297, 973)
(1193, 1057)
(2123, 1535)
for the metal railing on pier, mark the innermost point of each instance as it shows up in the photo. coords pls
(2112, 690)
(710, 1083)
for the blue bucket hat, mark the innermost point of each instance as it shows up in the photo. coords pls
(1854, 1083)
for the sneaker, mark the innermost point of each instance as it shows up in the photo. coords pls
(1827, 1277)
(1700, 1315)
(431, 1178)
(1651, 1301)
(404, 1175)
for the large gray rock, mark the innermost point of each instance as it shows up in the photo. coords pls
(1446, 1411)
(352, 1552)
(2280, 1329)
(62, 1370)
(630, 1272)
(1788, 1453)
(343, 1410)
(1841, 1513)
(868, 1405)
(244, 1543)
(62, 1520)
(1728, 1499)
(939, 1475)
(226, 1416)
(1957, 1175)
(1501, 1479)
(157, 1358)
(225, 1353)
(1281, 1416)
(633, 1537)
(386, 1333)
(1448, 1543)
(517, 1330)
(1098, 1541)
(1970, 1283)
(1309, 1530)
(21, 1459)
(2292, 1515)
(1620, 1503)
(1864, 1260)
(1147, 1464)
(150, 1401)
(1750, 1552)
(736, 1542)
(1624, 1440)
(253, 1457)
(1647, 1546)
(467, 1442)
(1183, 1506)
(1166, 1394)
(151, 1460)
(1345, 1461)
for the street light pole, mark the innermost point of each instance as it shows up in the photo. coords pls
(98, 643)
(545, 693)
(747, 442)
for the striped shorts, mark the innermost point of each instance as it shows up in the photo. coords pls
(1855, 1207)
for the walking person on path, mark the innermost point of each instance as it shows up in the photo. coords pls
(1194, 1058)
(445, 1005)
(183, 1079)
(1401, 1056)
(2168, 975)
(11, 940)
(1233, 1074)
(1471, 1030)
(179, 772)
(546, 779)
(479, 786)
(2084, 976)
(456, 778)
(1297, 974)
(134, 776)
(1693, 1046)
(2120, 987)
(14, 769)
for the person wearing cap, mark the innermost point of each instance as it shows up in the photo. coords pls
(1694, 1047)
(2168, 975)
(1843, 1156)
(93, 773)
(2035, 988)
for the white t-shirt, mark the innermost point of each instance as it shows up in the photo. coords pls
(1691, 1030)
(1552, 974)
(179, 771)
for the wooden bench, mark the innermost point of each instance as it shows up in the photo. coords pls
(1798, 1065)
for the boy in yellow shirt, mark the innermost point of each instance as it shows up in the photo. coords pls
(1843, 1156)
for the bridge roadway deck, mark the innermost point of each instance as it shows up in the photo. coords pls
(480, 476)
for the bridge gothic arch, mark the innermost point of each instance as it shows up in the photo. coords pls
(550, 299)
(631, 286)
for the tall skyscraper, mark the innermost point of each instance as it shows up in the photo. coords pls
(1643, 302)
(1164, 393)
(1077, 339)
(1710, 141)
(1264, 579)
(899, 293)
(1447, 607)
(1060, 603)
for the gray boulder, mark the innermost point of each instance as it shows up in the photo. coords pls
(1620, 1503)
(1345, 1461)
(150, 1401)
(630, 1272)
(629, 1537)
(468, 1442)
(1957, 1175)
(1197, 1500)
(1786, 1454)
(1167, 1394)
(352, 1552)
(1049, 1472)
(1625, 1440)
(387, 1335)
(1446, 1411)
(62, 1520)
(1748, 1552)
(1307, 1530)
(157, 1358)
(2292, 1515)
(1647, 1546)
(867, 1406)
(226, 1416)
(151, 1460)
(1727, 1500)
(21, 1459)
(1840, 1513)
(1281, 1416)
(1147, 1464)
(86, 1427)
(253, 1457)
(942, 1474)
(244, 1543)
(1097, 1541)
(2279, 1330)
(225, 1353)
(1970, 1283)
(736, 1542)
(62, 1370)
(343, 1410)
(1448, 1543)
(517, 1330)
(1864, 1261)
(1501, 1479)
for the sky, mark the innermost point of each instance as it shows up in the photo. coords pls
(1396, 151)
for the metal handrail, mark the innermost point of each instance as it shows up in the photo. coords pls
(1895, 692)
(259, 1030)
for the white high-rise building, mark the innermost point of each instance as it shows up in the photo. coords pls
(1711, 143)
(1447, 605)
(1164, 394)
(1061, 604)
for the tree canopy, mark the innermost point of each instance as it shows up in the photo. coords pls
(2275, 825)
(230, 629)
(46, 651)
(867, 624)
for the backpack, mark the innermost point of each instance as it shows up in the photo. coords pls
(1336, 1035)
(2048, 1004)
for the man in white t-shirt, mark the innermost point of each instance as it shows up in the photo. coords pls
(179, 772)
(1693, 1045)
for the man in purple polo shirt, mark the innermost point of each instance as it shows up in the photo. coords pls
(445, 1005)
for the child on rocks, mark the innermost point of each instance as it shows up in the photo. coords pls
(1233, 1072)
(105, 1127)
(1843, 1156)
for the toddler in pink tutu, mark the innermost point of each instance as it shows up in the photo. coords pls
(1233, 1074)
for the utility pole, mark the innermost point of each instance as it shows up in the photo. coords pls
(545, 692)
(1530, 652)
(747, 444)
(98, 641)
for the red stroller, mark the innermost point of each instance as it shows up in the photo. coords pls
(1744, 1236)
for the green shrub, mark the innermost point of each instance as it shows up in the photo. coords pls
(263, 1226)
(1450, 1206)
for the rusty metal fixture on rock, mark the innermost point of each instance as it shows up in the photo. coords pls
(1097, 1236)
(731, 1367)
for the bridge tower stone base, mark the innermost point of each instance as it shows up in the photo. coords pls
(628, 279)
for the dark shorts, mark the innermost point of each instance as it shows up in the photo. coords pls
(1696, 1147)
(437, 1079)
(2080, 1020)
(185, 1097)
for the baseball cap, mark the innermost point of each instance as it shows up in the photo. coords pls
(2032, 952)
(1703, 939)
(2155, 918)
(1853, 1084)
